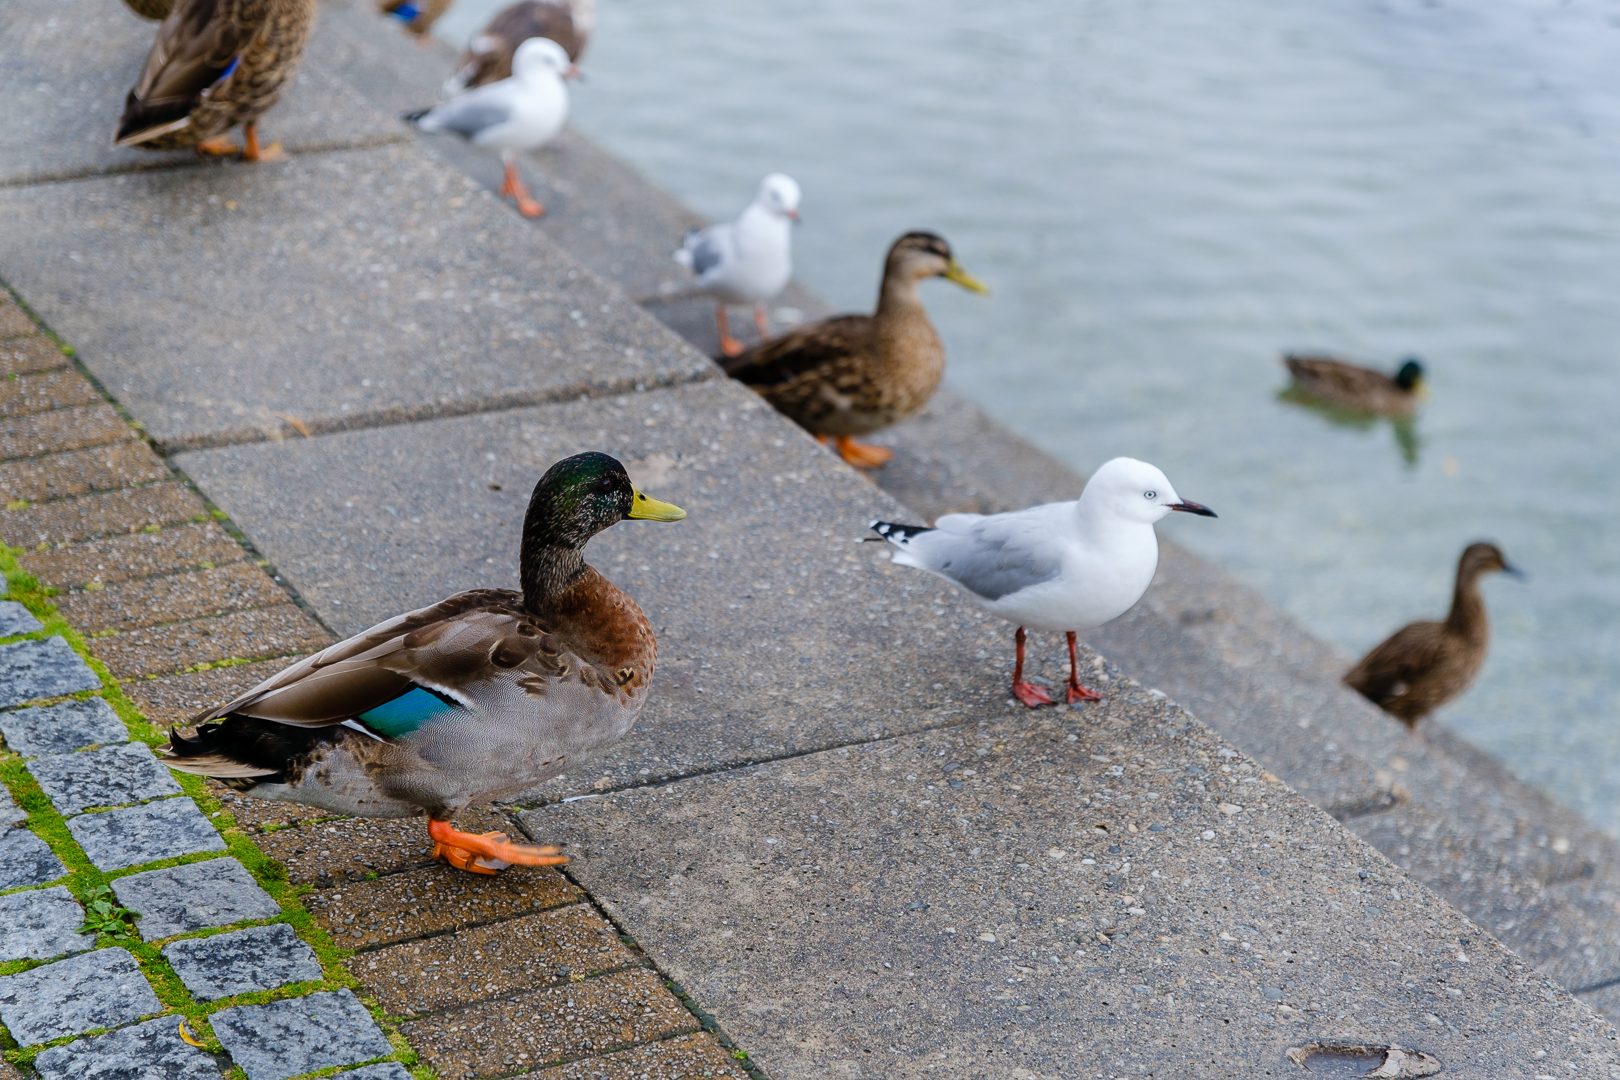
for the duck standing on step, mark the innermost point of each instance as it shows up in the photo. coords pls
(1423, 665)
(1361, 389)
(514, 116)
(1061, 567)
(488, 57)
(854, 374)
(747, 261)
(472, 699)
(216, 64)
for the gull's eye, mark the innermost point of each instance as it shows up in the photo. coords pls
(1150, 494)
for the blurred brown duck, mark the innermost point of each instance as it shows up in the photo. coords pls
(853, 374)
(1361, 388)
(151, 9)
(1425, 664)
(216, 64)
(489, 55)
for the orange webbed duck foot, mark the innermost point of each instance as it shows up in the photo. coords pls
(488, 853)
(862, 455)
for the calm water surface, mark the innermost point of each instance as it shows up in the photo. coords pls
(1164, 196)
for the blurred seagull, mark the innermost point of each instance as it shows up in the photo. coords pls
(747, 261)
(518, 114)
(1065, 566)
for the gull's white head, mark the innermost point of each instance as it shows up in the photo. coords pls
(541, 56)
(779, 193)
(1135, 491)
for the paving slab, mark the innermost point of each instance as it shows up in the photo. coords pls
(77, 472)
(130, 605)
(1100, 873)
(299, 1035)
(75, 60)
(777, 632)
(496, 1038)
(40, 924)
(117, 839)
(193, 896)
(354, 849)
(399, 907)
(70, 520)
(20, 356)
(345, 289)
(93, 990)
(14, 321)
(16, 619)
(150, 1051)
(282, 630)
(492, 961)
(387, 1070)
(45, 391)
(257, 958)
(64, 429)
(257, 815)
(198, 545)
(175, 699)
(30, 670)
(10, 812)
(111, 776)
(25, 859)
(62, 728)
(680, 1058)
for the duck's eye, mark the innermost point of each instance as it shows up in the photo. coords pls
(605, 485)
(1150, 494)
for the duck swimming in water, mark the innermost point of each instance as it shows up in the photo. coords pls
(469, 700)
(1362, 389)
(1423, 665)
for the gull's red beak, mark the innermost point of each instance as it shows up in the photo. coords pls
(1193, 508)
(794, 214)
(573, 72)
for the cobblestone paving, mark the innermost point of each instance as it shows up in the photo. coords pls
(143, 912)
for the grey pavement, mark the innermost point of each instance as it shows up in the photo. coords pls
(193, 896)
(25, 859)
(111, 776)
(16, 619)
(116, 839)
(242, 961)
(62, 728)
(41, 923)
(93, 990)
(30, 670)
(149, 1051)
(10, 812)
(299, 1035)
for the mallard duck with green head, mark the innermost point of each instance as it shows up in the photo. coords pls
(472, 699)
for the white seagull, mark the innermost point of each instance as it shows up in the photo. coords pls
(1065, 566)
(749, 260)
(513, 115)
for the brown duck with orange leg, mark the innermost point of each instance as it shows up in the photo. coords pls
(216, 64)
(854, 374)
(472, 699)
(1423, 665)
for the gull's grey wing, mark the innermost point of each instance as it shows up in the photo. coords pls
(991, 557)
(466, 115)
(706, 248)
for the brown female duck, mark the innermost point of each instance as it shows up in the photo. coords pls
(853, 374)
(469, 700)
(489, 55)
(216, 64)
(1425, 664)
(1362, 389)
(150, 9)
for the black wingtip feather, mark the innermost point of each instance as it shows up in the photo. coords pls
(896, 533)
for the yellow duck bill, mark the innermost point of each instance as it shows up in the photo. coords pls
(645, 509)
(954, 272)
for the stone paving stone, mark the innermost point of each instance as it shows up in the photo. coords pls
(299, 1035)
(255, 815)
(150, 1051)
(30, 670)
(257, 958)
(491, 961)
(193, 896)
(494, 1038)
(22, 356)
(40, 924)
(271, 631)
(89, 55)
(16, 619)
(434, 298)
(386, 1070)
(140, 834)
(111, 776)
(45, 391)
(62, 728)
(348, 850)
(175, 699)
(687, 1057)
(63, 429)
(139, 555)
(10, 812)
(131, 605)
(14, 321)
(90, 516)
(92, 990)
(25, 859)
(77, 472)
(402, 906)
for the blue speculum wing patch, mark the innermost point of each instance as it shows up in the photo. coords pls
(406, 713)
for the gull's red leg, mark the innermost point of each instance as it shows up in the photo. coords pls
(1028, 693)
(1076, 691)
(729, 346)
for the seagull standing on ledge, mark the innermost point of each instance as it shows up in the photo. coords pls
(513, 115)
(747, 261)
(1064, 566)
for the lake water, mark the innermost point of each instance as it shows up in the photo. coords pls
(1164, 196)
